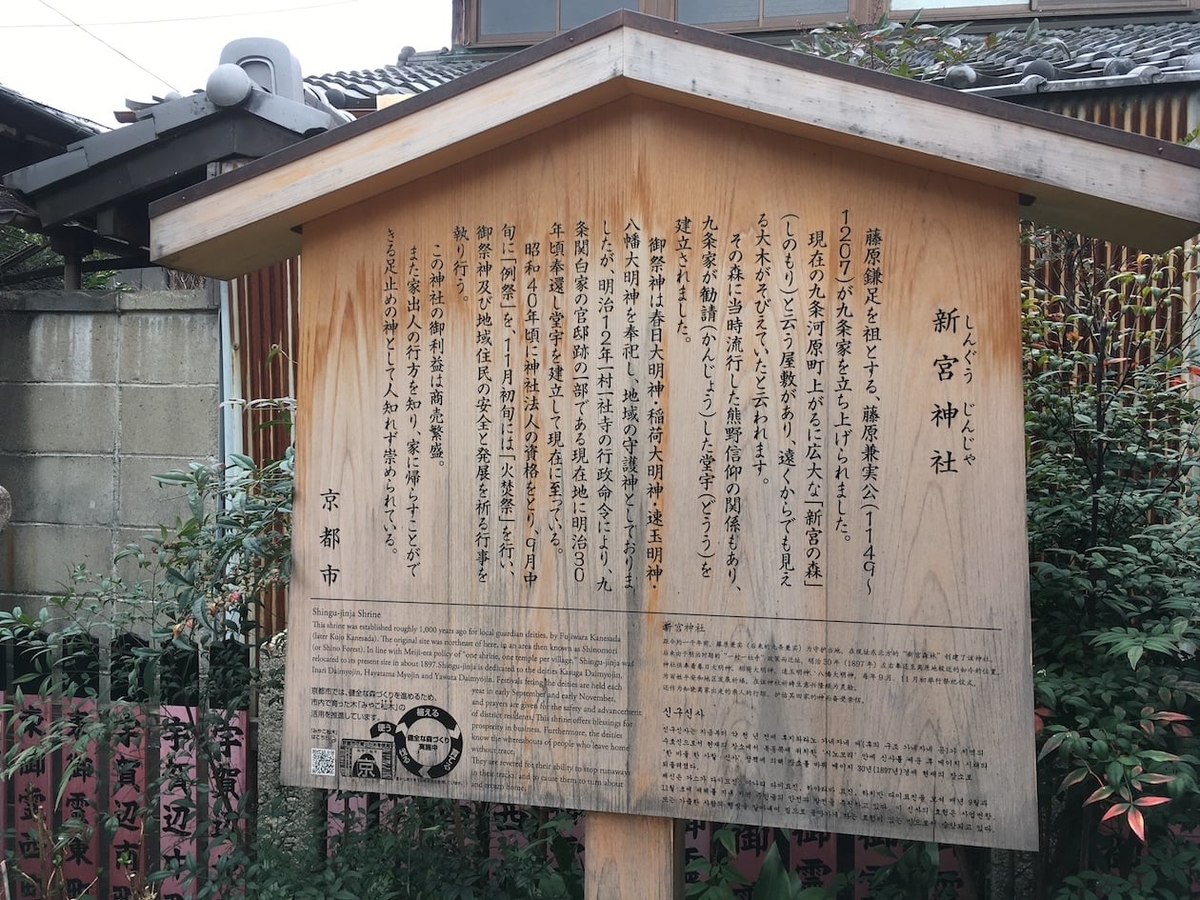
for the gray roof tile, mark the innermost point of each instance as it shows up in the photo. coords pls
(357, 90)
(68, 123)
(1091, 57)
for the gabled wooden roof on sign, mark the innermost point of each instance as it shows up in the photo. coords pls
(1126, 188)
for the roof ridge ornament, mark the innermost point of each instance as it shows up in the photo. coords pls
(229, 85)
(269, 63)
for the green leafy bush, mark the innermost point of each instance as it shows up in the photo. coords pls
(201, 582)
(1114, 536)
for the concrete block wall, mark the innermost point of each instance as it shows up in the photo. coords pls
(98, 393)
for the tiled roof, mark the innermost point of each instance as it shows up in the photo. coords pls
(1012, 63)
(105, 181)
(355, 91)
(31, 131)
(412, 74)
(1020, 62)
(1078, 59)
(70, 126)
(14, 209)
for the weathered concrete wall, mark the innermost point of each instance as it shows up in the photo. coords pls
(98, 392)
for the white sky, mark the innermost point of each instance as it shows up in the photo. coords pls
(175, 45)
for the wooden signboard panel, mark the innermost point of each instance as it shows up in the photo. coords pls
(659, 465)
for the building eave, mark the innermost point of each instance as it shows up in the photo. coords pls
(1075, 175)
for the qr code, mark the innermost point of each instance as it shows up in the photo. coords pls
(323, 762)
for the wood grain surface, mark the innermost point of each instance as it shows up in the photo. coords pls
(660, 465)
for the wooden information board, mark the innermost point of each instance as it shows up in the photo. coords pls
(657, 465)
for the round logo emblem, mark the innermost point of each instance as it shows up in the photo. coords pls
(429, 742)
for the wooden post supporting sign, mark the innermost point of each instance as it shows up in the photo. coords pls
(634, 857)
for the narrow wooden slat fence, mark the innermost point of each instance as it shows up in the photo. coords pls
(145, 800)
